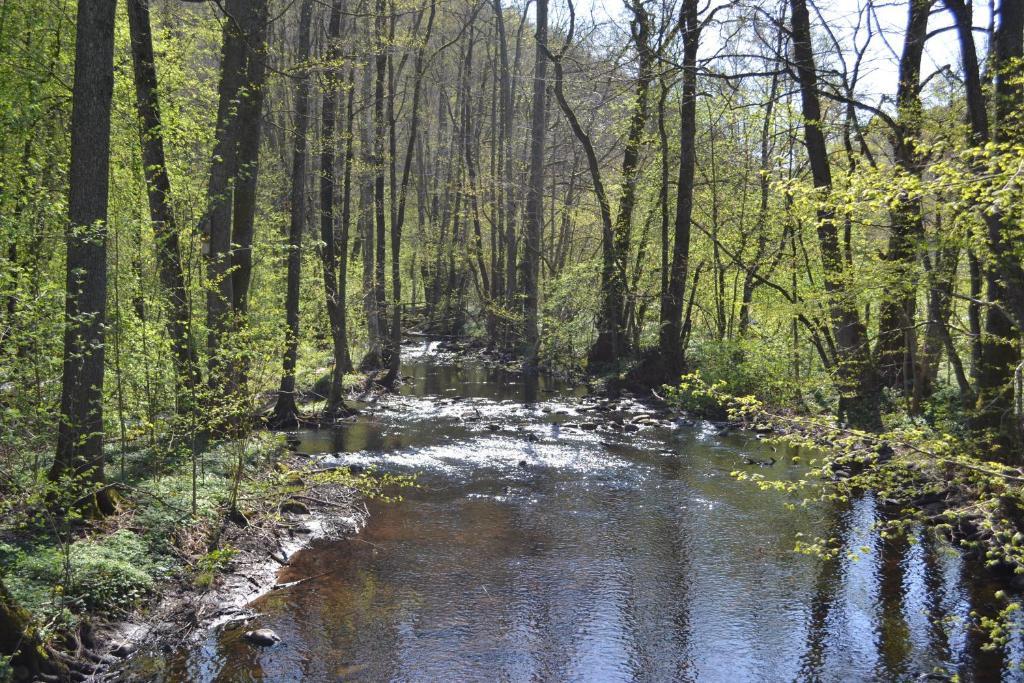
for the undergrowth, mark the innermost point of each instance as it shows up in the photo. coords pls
(67, 569)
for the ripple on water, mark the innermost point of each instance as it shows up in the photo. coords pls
(607, 557)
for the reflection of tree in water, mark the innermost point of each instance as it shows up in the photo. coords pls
(895, 638)
(894, 643)
(978, 662)
(664, 655)
(531, 387)
(936, 592)
(831, 573)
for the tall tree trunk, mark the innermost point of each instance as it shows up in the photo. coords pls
(80, 430)
(372, 358)
(399, 221)
(334, 285)
(381, 162)
(1004, 274)
(535, 197)
(285, 411)
(997, 351)
(613, 337)
(856, 375)
(1004, 242)
(158, 190)
(224, 170)
(673, 297)
(896, 348)
(505, 180)
(752, 278)
(250, 122)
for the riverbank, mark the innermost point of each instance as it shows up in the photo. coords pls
(208, 596)
(175, 560)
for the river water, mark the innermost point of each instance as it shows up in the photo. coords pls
(540, 549)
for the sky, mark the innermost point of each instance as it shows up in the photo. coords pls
(878, 72)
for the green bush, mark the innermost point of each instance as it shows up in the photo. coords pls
(748, 367)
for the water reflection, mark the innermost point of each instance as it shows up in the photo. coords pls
(538, 551)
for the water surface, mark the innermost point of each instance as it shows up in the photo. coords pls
(539, 549)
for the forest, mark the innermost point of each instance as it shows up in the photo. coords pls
(225, 220)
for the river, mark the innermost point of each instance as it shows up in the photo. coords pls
(540, 549)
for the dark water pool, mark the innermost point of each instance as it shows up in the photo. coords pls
(546, 551)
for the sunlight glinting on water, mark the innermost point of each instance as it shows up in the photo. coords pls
(548, 542)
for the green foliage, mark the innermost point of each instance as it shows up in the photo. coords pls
(570, 305)
(212, 563)
(108, 575)
(903, 468)
(756, 367)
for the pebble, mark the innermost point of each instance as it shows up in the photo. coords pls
(122, 649)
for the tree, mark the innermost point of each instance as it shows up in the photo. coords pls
(997, 349)
(158, 191)
(285, 410)
(80, 431)
(398, 221)
(612, 339)
(856, 375)
(535, 196)
(241, 69)
(672, 297)
(896, 349)
(335, 259)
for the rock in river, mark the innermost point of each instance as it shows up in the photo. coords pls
(263, 637)
(294, 507)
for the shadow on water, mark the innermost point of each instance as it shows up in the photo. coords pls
(551, 542)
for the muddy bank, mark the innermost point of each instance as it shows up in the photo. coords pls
(260, 546)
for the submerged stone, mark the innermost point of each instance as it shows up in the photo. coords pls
(264, 637)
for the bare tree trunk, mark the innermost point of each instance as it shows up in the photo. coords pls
(399, 221)
(671, 330)
(535, 197)
(374, 353)
(286, 411)
(329, 254)
(613, 338)
(158, 190)
(379, 182)
(241, 34)
(250, 123)
(997, 351)
(751, 278)
(80, 429)
(897, 338)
